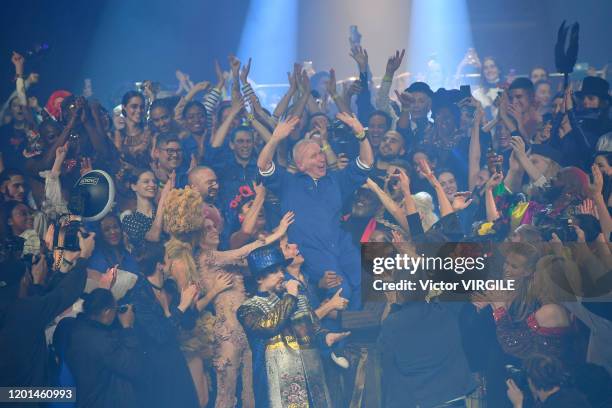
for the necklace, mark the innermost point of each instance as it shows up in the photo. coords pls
(160, 288)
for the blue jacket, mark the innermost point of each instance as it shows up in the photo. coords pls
(318, 207)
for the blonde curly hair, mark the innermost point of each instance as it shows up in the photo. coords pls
(183, 212)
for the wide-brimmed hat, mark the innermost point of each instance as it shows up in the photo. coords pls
(595, 86)
(265, 259)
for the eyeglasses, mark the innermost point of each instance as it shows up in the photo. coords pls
(172, 152)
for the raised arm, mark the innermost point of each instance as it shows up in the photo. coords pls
(154, 233)
(605, 221)
(394, 209)
(333, 92)
(518, 148)
(250, 219)
(235, 66)
(238, 256)
(382, 96)
(282, 130)
(366, 155)
(445, 205)
(491, 207)
(180, 106)
(222, 131)
(282, 106)
(474, 152)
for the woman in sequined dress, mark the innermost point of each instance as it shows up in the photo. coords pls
(232, 352)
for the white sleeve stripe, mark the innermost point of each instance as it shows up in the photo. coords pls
(361, 165)
(269, 172)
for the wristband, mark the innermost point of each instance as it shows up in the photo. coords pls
(325, 147)
(67, 262)
(361, 135)
(250, 117)
(387, 78)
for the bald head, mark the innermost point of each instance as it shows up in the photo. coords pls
(204, 180)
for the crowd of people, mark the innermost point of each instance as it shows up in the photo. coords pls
(228, 270)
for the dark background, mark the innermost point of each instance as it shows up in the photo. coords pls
(119, 42)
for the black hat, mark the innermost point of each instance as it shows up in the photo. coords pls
(265, 259)
(420, 87)
(446, 98)
(595, 86)
(547, 151)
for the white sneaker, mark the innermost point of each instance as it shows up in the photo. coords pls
(340, 361)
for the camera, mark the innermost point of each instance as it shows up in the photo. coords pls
(518, 376)
(91, 198)
(562, 227)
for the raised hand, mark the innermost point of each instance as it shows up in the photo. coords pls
(425, 170)
(285, 222)
(332, 338)
(284, 128)
(108, 279)
(404, 98)
(462, 200)
(518, 147)
(360, 55)
(219, 75)
(331, 84)
(244, 73)
(260, 190)
(235, 66)
(494, 181)
(597, 187)
(18, 61)
(354, 88)
(169, 186)
(237, 106)
(305, 82)
(394, 62)
(404, 182)
(293, 85)
(587, 207)
(396, 237)
(61, 152)
(86, 165)
(201, 86)
(351, 121)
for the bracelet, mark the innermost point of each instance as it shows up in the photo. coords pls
(67, 262)
(325, 147)
(335, 97)
(250, 117)
(361, 135)
(387, 78)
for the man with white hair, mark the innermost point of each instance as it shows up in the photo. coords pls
(316, 196)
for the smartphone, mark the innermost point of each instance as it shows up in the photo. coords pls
(465, 91)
